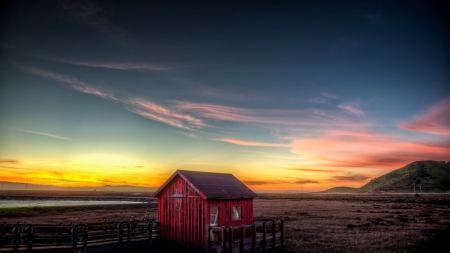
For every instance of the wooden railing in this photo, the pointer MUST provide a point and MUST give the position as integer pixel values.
(76, 238)
(259, 236)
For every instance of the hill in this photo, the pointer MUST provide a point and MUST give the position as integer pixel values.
(340, 189)
(428, 176)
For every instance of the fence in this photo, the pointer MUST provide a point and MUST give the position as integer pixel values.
(76, 238)
(259, 236)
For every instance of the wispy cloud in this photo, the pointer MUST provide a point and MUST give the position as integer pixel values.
(129, 66)
(123, 66)
(72, 81)
(255, 182)
(189, 135)
(281, 157)
(156, 112)
(87, 11)
(9, 161)
(307, 182)
(351, 177)
(134, 104)
(294, 118)
(91, 14)
(324, 98)
(351, 109)
(254, 144)
(47, 135)
(313, 170)
(435, 120)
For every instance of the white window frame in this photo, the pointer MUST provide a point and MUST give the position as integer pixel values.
(236, 213)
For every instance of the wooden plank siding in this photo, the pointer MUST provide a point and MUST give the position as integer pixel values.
(225, 207)
(181, 213)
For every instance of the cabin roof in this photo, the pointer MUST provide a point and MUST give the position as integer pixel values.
(212, 185)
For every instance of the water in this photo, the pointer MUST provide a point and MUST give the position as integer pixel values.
(31, 203)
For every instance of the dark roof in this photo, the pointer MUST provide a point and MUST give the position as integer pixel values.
(212, 185)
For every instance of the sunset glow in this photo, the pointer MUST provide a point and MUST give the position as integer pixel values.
(293, 97)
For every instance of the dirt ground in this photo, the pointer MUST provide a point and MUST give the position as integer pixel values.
(314, 223)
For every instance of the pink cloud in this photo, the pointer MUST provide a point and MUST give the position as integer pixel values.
(308, 117)
(254, 144)
(360, 149)
(136, 105)
(345, 149)
(435, 120)
(156, 112)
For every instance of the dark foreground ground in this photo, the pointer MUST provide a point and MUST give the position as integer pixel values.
(314, 222)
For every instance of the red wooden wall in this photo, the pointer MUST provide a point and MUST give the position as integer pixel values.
(225, 206)
(182, 217)
(184, 214)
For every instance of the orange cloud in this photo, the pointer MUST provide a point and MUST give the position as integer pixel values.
(345, 149)
(364, 150)
(435, 120)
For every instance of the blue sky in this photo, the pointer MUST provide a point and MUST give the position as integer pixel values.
(283, 95)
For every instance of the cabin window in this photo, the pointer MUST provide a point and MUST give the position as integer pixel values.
(236, 213)
(214, 216)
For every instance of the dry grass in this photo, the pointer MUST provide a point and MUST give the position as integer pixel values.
(359, 223)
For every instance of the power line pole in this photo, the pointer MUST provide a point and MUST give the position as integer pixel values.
(414, 188)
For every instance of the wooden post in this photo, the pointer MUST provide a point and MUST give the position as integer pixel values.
(74, 238)
(242, 238)
(208, 238)
(60, 234)
(150, 233)
(274, 233)
(85, 238)
(30, 239)
(264, 235)
(253, 238)
(129, 234)
(224, 245)
(282, 233)
(120, 235)
(17, 230)
(230, 239)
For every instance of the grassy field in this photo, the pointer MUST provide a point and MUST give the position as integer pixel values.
(314, 222)
(360, 223)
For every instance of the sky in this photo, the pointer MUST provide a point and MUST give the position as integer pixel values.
(285, 95)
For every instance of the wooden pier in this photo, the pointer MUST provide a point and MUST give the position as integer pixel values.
(107, 236)
(77, 238)
(259, 236)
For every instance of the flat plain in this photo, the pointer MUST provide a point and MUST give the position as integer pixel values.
(314, 222)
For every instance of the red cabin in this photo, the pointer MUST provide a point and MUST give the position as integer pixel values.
(190, 200)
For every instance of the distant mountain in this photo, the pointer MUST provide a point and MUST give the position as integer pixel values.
(340, 189)
(430, 176)
(4, 185)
